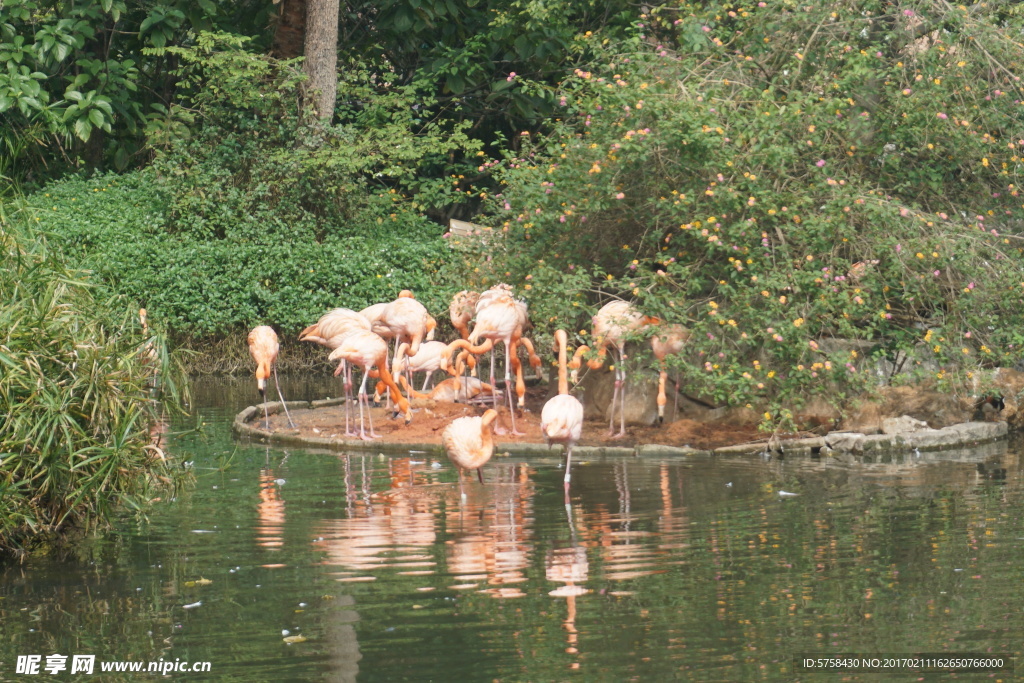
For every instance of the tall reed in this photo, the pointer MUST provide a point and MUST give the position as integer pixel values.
(83, 391)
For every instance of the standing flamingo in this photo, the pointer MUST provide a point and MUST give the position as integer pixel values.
(366, 349)
(405, 319)
(469, 443)
(264, 347)
(612, 324)
(667, 342)
(328, 331)
(561, 420)
(501, 320)
(429, 360)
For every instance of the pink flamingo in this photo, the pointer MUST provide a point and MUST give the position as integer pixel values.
(561, 420)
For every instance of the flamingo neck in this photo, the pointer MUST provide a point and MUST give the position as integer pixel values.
(486, 431)
(563, 379)
(396, 395)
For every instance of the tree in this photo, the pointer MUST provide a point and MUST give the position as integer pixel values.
(321, 65)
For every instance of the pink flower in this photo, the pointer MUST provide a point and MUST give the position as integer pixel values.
(511, 77)
(620, 195)
(942, 115)
(820, 163)
(705, 29)
(899, 248)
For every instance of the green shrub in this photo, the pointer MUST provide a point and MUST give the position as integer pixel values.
(241, 270)
(76, 397)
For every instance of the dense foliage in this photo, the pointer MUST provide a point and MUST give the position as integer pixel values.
(255, 218)
(76, 399)
(78, 89)
(802, 185)
(822, 192)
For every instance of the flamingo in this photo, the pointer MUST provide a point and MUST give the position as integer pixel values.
(264, 347)
(373, 313)
(667, 342)
(461, 311)
(328, 331)
(405, 319)
(429, 359)
(452, 389)
(469, 443)
(612, 324)
(501, 320)
(366, 349)
(561, 420)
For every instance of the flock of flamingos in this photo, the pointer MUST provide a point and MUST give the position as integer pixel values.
(359, 338)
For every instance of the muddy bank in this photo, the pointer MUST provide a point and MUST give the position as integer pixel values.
(321, 424)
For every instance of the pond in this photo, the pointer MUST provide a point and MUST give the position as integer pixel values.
(298, 565)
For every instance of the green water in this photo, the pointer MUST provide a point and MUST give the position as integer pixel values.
(694, 569)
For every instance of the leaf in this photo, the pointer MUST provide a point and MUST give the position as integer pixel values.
(73, 95)
(96, 116)
(83, 129)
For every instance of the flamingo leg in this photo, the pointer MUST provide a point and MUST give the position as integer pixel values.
(480, 474)
(568, 464)
(622, 402)
(462, 490)
(266, 415)
(494, 383)
(508, 388)
(363, 399)
(426, 380)
(620, 393)
(346, 376)
(280, 396)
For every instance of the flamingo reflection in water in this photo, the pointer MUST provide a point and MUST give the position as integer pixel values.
(569, 565)
(393, 529)
(493, 539)
(269, 512)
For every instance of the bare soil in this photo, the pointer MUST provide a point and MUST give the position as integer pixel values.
(431, 417)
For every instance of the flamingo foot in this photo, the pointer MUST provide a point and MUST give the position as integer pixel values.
(619, 435)
(500, 431)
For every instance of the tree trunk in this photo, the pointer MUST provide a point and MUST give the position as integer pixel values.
(321, 65)
(290, 31)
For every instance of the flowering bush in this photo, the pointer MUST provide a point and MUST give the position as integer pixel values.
(807, 187)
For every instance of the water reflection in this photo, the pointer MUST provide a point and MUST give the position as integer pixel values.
(656, 570)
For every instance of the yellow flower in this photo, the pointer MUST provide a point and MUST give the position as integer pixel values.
(798, 322)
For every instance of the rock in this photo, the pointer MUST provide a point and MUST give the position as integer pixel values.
(920, 402)
(904, 423)
(845, 441)
(641, 398)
